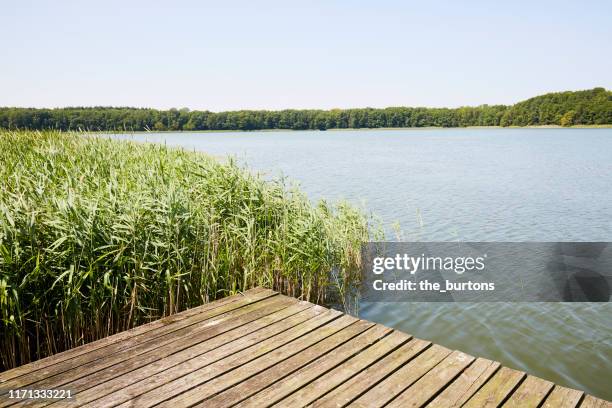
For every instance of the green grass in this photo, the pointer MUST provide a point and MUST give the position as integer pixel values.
(98, 236)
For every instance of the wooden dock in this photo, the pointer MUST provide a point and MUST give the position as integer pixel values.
(262, 349)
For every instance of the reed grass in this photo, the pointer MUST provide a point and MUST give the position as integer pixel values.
(98, 236)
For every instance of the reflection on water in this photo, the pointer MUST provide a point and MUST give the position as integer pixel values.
(465, 185)
(568, 343)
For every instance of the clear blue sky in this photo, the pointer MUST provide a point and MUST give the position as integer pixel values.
(223, 55)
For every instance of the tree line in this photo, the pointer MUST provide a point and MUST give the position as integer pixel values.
(589, 107)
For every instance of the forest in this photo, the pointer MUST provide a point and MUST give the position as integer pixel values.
(588, 107)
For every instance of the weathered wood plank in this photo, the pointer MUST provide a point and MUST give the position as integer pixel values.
(495, 391)
(435, 380)
(562, 397)
(263, 349)
(176, 340)
(371, 376)
(105, 368)
(283, 379)
(342, 329)
(403, 378)
(101, 353)
(203, 370)
(328, 381)
(136, 331)
(136, 369)
(464, 386)
(530, 393)
(590, 401)
(50, 378)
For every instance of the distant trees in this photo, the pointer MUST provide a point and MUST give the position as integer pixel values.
(588, 107)
(568, 118)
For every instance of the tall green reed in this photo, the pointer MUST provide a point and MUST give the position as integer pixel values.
(98, 236)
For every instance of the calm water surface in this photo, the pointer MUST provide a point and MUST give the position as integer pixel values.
(464, 185)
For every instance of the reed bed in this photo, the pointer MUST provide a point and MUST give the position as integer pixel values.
(98, 236)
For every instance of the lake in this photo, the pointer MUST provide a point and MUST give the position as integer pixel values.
(462, 185)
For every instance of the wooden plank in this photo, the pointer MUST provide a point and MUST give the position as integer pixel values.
(371, 376)
(202, 367)
(402, 378)
(242, 299)
(435, 380)
(530, 393)
(47, 378)
(167, 331)
(323, 350)
(562, 397)
(342, 329)
(344, 371)
(590, 401)
(464, 386)
(133, 370)
(264, 349)
(495, 391)
(150, 377)
(174, 341)
(373, 342)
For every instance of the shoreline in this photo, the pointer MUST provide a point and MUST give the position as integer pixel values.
(609, 126)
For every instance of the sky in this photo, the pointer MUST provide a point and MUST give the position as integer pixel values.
(229, 55)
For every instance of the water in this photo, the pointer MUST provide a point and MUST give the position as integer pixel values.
(463, 185)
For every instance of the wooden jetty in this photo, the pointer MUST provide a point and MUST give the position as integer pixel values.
(262, 349)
